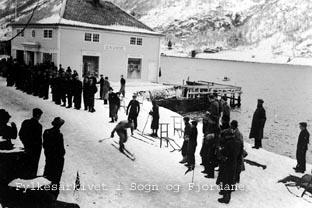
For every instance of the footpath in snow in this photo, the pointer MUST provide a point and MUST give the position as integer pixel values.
(109, 179)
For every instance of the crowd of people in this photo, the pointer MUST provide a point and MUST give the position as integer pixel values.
(222, 147)
(34, 140)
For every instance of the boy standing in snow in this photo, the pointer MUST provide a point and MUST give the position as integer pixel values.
(187, 130)
(133, 111)
(121, 129)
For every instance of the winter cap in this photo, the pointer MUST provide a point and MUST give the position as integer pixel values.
(186, 119)
(58, 122)
(260, 101)
(4, 115)
(303, 124)
(194, 123)
(234, 124)
(37, 111)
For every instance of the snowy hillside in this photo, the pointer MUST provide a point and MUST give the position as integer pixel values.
(263, 29)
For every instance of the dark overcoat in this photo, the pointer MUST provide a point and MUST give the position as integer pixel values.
(258, 122)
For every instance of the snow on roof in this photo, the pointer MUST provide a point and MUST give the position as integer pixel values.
(84, 13)
(121, 28)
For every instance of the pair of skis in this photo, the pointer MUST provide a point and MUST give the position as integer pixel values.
(125, 152)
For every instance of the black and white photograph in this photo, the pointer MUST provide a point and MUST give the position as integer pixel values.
(155, 103)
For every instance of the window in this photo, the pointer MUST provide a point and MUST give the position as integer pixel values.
(21, 34)
(33, 33)
(132, 41)
(47, 33)
(96, 38)
(139, 41)
(88, 36)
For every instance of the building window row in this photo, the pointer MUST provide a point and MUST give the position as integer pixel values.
(47, 33)
(92, 37)
(136, 41)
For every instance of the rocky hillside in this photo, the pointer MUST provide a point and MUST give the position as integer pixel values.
(274, 27)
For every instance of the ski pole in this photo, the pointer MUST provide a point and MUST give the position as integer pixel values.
(145, 123)
(193, 175)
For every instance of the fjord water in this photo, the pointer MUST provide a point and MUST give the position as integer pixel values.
(285, 89)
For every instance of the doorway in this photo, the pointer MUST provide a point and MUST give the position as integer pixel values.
(90, 65)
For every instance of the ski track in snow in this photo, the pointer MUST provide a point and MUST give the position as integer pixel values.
(100, 163)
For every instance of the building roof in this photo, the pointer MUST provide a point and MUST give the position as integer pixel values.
(85, 13)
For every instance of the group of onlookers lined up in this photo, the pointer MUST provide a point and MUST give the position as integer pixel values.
(66, 88)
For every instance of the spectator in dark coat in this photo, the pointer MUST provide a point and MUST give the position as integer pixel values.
(122, 86)
(133, 111)
(101, 82)
(92, 89)
(106, 87)
(54, 151)
(302, 147)
(238, 136)
(155, 119)
(214, 109)
(114, 104)
(208, 151)
(257, 125)
(186, 137)
(229, 157)
(77, 90)
(226, 112)
(6, 132)
(85, 88)
(31, 137)
(191, 147)
(69, 90)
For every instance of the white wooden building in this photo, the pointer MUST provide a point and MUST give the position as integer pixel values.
(98, 38)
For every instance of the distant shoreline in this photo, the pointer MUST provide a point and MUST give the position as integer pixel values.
(236, 60)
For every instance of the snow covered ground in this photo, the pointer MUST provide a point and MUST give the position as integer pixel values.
(109, 177)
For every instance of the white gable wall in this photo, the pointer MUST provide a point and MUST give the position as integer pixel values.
(113, 50)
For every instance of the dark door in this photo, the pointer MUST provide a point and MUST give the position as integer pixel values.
(90, 65)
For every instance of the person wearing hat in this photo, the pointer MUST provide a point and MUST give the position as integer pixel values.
(31, 136)
(122, 86)
(186, 137)
(106, 86)
(226, 113)
(191, 146)
(134, 111)
(257, 125)
(54, 151)
(302, 147)
(7, 133)
(229, 162)
(101, 82)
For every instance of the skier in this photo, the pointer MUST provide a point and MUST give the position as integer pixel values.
(121, 129)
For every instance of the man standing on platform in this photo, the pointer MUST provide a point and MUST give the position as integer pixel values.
(257, 125)
(31, 137)
(134, 111)
(302, 147)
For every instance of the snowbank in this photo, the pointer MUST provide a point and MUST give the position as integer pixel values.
(109, 179)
